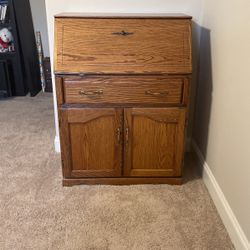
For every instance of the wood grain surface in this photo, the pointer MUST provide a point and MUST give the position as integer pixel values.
(122, 15)
(59, 91)
(90, 142)
(122, 181)
(154, 146)
(124, 89)
(94, 45)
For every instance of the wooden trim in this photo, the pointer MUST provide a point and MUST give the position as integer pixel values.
(186, 90)
(148, 172)
(124, 15)
(97, 173)
(84, 74)
(55, 51)
(122, 181)
(127, 141)
(59, 91)
(120, 105)
(180, 144)
(65, 142)
(190, 44)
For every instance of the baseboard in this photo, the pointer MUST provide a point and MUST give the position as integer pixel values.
(231, 223)
(57, 144)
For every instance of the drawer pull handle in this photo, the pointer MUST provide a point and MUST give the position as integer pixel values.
(91, 93)
(123, 33)
(163, 93)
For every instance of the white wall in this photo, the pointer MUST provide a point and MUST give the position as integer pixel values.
(39, 21)
(191, 7)
(222, 124)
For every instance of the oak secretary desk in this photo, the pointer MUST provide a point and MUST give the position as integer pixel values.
(122, 84)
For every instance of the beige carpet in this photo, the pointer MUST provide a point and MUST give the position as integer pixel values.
(36, 212)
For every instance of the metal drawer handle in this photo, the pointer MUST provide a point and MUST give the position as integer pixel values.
(91, 93)
(163, 93)
(123, 33)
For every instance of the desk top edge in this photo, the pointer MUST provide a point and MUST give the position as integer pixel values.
(123, 15)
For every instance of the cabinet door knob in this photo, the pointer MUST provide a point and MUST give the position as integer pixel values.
(163, 93)
(91, 93)
(118, 135)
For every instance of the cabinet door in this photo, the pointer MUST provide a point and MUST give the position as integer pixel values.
(154, 141)
(91, 142)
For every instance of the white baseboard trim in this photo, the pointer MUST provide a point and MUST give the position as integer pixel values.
(231, 223)
(57, 144)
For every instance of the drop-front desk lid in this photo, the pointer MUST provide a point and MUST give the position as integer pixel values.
(94, 43)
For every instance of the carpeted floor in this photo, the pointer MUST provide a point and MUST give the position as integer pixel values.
(36, 212)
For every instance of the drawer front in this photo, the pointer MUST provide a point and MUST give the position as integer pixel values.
(124, 90)
(123, 45)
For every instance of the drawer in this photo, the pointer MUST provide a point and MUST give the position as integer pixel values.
(125, 90)
(106, 45)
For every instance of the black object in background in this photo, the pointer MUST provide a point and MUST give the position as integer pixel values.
(24, 60)
(5, 87)
(47, 74)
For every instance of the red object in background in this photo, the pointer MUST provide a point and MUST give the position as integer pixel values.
(4, 44)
